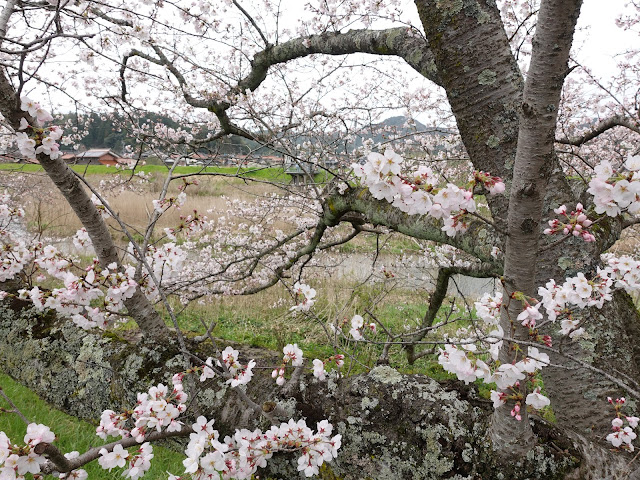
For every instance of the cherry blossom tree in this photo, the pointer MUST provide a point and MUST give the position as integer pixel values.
(532, 138)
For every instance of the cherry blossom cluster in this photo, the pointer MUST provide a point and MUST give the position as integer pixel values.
(165, 261)
(319, 365)
(417, 194)
(575, 223)
(139, 461)
(214, 249)
(358, 327)
(614, 192)
(558, 302)
(293, 354)
(468, 367)
(81, 239)
(305, 296)
(18, 460)
(14, 254)
(237, 373)
(165, 203)
(494, 185)
(13, 257)
(40, 140)
(239, 456)
(79, 291)
(621, 436)
(580, 292)
(190, 225)
(488, 310)
(465, 359)
(156, 410)
(113, 284)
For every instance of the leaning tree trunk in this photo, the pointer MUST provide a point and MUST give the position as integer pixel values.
(438, 430)
(138, 306)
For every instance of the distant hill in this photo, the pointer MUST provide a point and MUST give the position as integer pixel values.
(109, 131)
(394, 127)
(400, 122)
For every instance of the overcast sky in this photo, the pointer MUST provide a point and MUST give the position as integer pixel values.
(603, 39)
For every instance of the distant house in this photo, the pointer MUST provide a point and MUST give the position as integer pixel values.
(94, 156)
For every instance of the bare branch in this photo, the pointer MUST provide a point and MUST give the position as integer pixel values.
(15, 410)
(253, 22)
(599, 129)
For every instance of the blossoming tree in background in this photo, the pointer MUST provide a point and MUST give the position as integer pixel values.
(559, 180)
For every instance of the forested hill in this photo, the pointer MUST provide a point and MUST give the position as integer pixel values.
(108, 131)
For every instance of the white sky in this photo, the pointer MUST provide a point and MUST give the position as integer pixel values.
(602, 39)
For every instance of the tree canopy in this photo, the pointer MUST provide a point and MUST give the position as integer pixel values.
(524, 166)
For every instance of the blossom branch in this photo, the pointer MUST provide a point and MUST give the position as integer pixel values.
(478, 241)
(58, 462)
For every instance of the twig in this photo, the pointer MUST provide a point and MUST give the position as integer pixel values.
(16, 410)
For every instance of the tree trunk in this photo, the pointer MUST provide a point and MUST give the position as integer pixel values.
(138, 306)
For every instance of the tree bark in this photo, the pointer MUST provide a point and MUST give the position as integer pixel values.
(485, 90)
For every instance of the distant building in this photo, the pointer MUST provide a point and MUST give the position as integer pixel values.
(94, 156)
(299, 175)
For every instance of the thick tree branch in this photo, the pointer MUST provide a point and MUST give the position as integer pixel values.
(402, 42)
(534, 163)
(478, 241)
(138, 305)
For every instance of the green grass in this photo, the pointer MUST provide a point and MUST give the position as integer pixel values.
(72, 434)
(257, 324)
(271, 174)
